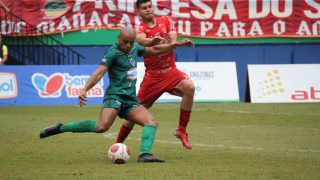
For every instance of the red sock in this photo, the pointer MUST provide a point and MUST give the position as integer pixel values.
(184, 119)
(123, 133)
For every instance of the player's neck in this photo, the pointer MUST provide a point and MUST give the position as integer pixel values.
(150, 23)
(122, 50)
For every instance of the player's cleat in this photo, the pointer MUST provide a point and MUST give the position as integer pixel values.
(183, 136)
(50, 130)
(148, 158)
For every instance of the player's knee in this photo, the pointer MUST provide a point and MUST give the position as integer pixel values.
(147, 106)
(152, 122)
(128, 124)
(101, 128)
(189, 87)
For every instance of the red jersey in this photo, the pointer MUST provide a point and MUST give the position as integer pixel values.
(163, 27)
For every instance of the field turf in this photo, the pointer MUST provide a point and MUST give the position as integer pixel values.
(230, 141)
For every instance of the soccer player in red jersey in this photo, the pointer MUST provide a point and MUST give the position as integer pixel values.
(161, 74)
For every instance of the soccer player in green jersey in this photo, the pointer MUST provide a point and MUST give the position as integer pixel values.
(120, 97)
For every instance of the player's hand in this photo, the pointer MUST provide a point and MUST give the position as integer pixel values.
(82, 98)
(186, 42)
(156, 40)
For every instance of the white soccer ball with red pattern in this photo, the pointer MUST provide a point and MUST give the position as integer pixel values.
(119, 153)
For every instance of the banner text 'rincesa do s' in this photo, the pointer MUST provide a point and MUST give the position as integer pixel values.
(195, 18)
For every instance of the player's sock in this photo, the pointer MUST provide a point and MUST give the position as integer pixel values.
(123, 133)
(181, 132)
(148, 135)
(81, 126)
(184, 119)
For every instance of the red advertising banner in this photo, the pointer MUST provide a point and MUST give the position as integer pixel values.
(196, 18)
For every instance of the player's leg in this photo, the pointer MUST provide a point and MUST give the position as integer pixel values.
(149, 92)
(81, 126)
(143, 117)
(185, 89)
(126, 127)
(107, 117)
(124, 131)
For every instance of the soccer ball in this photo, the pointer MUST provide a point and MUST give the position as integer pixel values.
(119, 153)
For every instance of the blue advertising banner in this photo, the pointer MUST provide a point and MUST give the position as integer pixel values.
(48, 85)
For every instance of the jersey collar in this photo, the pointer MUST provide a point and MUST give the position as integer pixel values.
(119, 50)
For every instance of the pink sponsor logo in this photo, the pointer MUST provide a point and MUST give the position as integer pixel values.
(48, 87)
(312, 94)
(52, 86)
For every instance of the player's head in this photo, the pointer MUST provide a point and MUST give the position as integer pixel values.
(126, 39)
(145, 9)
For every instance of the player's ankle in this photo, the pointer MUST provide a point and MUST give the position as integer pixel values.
(181, 129)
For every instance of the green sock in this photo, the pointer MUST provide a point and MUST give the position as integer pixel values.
(148, 134)
(81, 126)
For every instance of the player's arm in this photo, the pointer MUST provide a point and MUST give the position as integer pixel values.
(4, 59)
(172, 37)
(143, 40)
(4, 6)
(93, 80)
(172, 33)
(165, 48)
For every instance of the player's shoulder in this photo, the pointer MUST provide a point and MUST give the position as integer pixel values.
(112, 51)
(109, 55)
(141, 28)
(137, 45)
(163, 18)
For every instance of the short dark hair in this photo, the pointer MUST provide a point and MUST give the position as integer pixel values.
(139, 2)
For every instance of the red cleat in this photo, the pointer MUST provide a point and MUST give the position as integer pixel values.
(183, 136)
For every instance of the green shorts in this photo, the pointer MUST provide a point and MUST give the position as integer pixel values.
(123, 104)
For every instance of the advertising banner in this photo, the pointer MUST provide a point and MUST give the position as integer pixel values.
(196, 18)
(214, 81)
(48, 85)
(284, 83)
(61, 85)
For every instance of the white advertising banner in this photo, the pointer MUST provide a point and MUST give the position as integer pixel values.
(8, 85)
(214, 81)
(284, 83)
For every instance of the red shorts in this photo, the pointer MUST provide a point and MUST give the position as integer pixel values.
(155, 83)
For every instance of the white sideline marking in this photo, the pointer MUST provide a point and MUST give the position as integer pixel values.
(251, 112)
(220, 146)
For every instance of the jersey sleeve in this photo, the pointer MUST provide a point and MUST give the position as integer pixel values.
(141, 49)
(170, 25)
(107, 59)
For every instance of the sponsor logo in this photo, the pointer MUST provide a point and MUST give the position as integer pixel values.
(272, 84)
(48, 87)
(132, 74)
(201, 75)
(52, 86)
(104, 60)
(8, 86)
(197, 90)
(132, 61)
(311, 94)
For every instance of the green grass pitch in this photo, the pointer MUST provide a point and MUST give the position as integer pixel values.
(230, 141)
